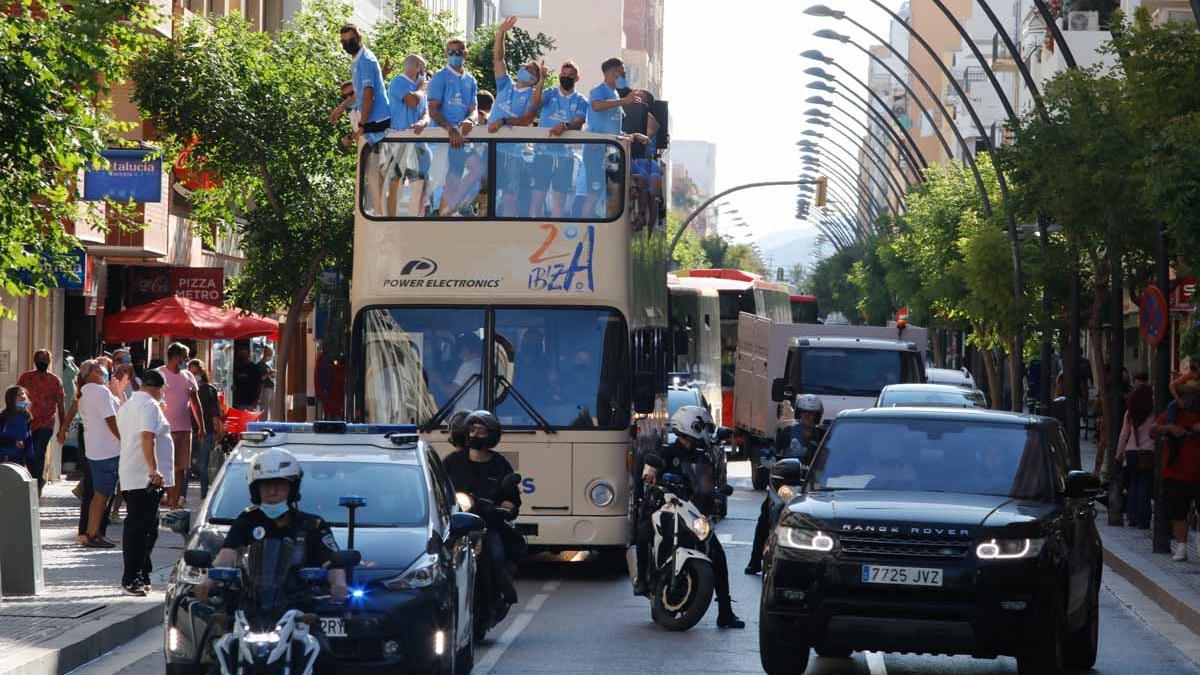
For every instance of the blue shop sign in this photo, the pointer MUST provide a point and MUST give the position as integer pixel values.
(78, 268)
(130, 175)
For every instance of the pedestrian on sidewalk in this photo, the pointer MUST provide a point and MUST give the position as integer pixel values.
(46, 398)
(267, 395)
(147, 466)
(98, 408)
(180, 393)
(211, 429)
(16, 439)
(1181, 470)
(1135, 453)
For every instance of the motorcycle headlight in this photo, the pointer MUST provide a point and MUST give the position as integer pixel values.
(1009, 549)
(701, 527)
(464, 501)
(804, 540)
(786, 492)
(601, 494)
(421, 574)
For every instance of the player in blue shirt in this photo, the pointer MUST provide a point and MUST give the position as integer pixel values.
(408, 161)
(606, 111)
(563, 109)
(371, 94)
(452, 94)
(516, 105)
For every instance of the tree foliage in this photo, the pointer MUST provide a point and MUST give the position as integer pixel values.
(412, 29)
(688, 255)
(722, 254)
(257, 105)
(58, 64)
(520, 48)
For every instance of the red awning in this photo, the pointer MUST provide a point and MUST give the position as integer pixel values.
(183, 318)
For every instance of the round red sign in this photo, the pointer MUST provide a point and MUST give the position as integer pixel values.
(1152, 318)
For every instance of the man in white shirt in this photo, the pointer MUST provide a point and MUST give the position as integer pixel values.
(101, 439)
(147, 468)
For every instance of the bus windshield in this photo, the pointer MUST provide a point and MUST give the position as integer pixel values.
(404, 179)
(563, 368)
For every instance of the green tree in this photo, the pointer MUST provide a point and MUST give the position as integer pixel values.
(58, 62)
(689, 255)
(722, 254)
(520, 48)
(831, 283)
(258, 106)
(412, 29)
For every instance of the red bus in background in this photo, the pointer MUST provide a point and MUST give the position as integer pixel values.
(739, 291)
(804, 308)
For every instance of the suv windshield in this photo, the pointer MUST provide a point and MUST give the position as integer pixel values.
(933, 455)
(395, 493)
(831, 371)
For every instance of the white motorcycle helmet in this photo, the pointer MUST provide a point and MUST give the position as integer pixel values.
(810, 403)
(694, 422)
(272, 464)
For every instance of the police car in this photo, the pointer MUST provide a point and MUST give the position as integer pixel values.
(935, 530)
(410, 608)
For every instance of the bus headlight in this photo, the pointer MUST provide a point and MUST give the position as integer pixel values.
(602, 494)
(804, 540)
(1009, 549)
(702, 528)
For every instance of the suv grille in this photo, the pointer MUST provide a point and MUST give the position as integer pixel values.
(859, 543)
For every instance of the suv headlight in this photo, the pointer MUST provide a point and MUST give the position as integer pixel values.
(1009, 549)
(701, 527)
(421, 574)
(804, 540)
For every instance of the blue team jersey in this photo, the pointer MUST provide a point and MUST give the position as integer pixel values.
(455, 92)
(403, 117)
(511, 101)
(558, 108)
(607, 121)
(365, 73)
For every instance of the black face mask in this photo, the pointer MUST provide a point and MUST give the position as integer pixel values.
(41, 365)
(477, 443)
(352, 47)
(567, 82)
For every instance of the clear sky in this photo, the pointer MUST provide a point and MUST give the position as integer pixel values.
(734, 77)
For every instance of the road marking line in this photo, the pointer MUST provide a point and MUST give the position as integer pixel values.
(492, 656)
(875, 663)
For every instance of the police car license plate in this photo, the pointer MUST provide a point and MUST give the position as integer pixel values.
(333, 626)
(901, 576)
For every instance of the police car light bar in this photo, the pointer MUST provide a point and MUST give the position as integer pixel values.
(332, 427)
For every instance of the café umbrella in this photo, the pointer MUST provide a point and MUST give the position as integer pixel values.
(181, 317)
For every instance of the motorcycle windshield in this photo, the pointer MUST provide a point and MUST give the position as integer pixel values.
(703, 481)
(268, 565)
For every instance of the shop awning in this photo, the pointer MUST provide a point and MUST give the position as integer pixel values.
(180, 317)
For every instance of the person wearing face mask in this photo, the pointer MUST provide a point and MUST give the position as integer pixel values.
(516, 106)
(147, 467)
(15, 420)
(370, 92)
(452, 93)
(408, 161)
(46, 399)
(274, 476)
(563, 109)
(102, 445)
(607, 110)
(478, 471)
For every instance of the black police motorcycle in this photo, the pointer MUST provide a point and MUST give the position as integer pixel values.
(490, 605)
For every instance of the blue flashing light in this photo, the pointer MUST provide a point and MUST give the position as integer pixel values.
(357, 594)
(331, 427)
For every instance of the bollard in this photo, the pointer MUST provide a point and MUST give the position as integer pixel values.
(21, 536)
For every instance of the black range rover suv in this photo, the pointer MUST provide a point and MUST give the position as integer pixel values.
(940, 531)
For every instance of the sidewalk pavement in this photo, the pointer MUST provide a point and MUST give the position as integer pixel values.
(1129, 551)
(83, 612)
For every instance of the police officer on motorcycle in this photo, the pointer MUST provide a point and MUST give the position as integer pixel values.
(274, 477)
(693, 428)
(478, 471)
(795, 440)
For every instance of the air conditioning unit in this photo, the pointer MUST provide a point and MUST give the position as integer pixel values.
(1083, 21)
(529, 9)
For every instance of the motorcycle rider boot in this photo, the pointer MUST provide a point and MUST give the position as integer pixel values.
(754, 567)
(725, 616)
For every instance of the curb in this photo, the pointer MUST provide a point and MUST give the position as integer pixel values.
(86, 642)
(1160, 592)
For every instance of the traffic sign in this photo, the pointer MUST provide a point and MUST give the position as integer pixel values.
(1152, 318)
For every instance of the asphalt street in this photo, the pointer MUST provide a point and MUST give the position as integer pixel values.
(574, 617)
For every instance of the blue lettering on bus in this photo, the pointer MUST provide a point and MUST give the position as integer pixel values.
(527, 486)
(576, 275)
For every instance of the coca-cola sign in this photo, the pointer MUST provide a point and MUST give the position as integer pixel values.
(202, 284)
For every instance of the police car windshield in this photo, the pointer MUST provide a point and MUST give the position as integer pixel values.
(395, 493)
(932, 455)
(677, 398)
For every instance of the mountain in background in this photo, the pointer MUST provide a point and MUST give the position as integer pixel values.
(788, 248)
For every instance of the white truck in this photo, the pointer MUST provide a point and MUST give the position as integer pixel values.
(846, 366)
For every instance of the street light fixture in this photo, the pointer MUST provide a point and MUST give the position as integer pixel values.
(881, 164)
(825, 119)
(853, 177)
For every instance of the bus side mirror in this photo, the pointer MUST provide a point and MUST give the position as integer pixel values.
(644, 393)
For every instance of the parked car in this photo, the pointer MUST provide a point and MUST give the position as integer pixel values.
(930, 395)
(935, 530)
(410, 607)
(959, 378)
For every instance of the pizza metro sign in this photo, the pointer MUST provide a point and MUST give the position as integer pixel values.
(1152, 319)
(202, 284)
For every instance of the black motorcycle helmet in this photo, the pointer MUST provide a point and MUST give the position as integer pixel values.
(489, 422)
(457, 426)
